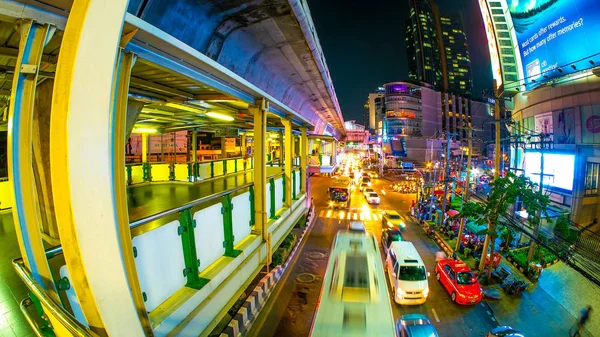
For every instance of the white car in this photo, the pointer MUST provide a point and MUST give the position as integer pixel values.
(367, 191)
(357, 226)
(373, 198)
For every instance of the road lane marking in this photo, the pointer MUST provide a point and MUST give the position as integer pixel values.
(321, 213)
(329, 214)
(437, 319)
(349, 216)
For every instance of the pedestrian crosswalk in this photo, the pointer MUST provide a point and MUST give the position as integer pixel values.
(351, 214)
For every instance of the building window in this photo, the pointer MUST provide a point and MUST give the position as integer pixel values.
(591, 178)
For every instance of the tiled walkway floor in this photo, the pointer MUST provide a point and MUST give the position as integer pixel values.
(142, 201)
(12, 290)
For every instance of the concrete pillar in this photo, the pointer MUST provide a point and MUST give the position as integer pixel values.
(243, 146)
(194, 146)
(260, 168)
(223, 147)
(281, 148)
(144, 147)
(288, 142)
(303, 160)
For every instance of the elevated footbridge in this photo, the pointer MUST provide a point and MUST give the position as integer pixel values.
(161, 239)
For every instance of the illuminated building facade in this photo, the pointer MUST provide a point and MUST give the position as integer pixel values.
(374, 109)
(456, 60)
(422, 46)
(548, 66)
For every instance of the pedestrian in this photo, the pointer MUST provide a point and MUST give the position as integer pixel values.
(585, 315)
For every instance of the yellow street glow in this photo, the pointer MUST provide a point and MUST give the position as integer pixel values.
(219, 116)
(328, 214)
(342, 214)
(144, 130)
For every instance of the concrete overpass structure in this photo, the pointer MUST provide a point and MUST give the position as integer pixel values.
(159, 249)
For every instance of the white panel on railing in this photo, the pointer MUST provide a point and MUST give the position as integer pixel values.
(209, 235)
(204, 171)
(326, 160)
(218, 168)
(72, 297)
(278, 194)
(268, 199)
(161, 172)
(137, 174)
(181, 172)
(160, 263)
(231, 166)
(241, 217)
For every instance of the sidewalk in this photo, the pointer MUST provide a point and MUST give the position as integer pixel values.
(549, 307)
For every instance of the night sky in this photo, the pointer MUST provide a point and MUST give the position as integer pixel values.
(363, 42)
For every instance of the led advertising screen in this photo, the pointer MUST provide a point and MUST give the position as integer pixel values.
(554, 34)
(559, 169)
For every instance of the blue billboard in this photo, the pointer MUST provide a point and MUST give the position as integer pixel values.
(553, 34)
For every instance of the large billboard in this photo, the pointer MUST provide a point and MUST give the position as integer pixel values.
(559, 169)
(554, 34)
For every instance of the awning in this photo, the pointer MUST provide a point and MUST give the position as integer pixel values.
(452, 212)
(475, 228)
(438, 192)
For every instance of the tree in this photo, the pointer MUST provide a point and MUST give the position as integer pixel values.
(504, 192)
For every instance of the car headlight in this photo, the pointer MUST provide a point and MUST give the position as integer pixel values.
(426, 292)
(461, 295)
(388, 223)
(402, 225)
(400, 292)
(331, 203)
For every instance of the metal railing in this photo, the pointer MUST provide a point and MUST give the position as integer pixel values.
(76, 328)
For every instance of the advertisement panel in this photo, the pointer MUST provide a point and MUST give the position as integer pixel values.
(543, 124)
(553, 34)
(564, 126)
(559, 169)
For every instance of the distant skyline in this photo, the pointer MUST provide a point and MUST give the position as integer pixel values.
(364, 46)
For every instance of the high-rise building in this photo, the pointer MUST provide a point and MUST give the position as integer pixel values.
(374, 109)
(457, 74)
(437, 48)
(422, 43)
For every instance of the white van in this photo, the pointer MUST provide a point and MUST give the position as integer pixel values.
(407, 274)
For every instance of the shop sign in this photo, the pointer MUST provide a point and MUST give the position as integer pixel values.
(558, 198)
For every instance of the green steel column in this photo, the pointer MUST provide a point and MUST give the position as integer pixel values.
(288, 143)
(129, 177)
(293, 185)
(192, 263)
(227, 211)
(194, 146)
(272, 191)
(224, 166)
(235, 165)
(320, 159)
(252, 215)
(259, 111)
(303, 159)
(172, 171)
(212, 169)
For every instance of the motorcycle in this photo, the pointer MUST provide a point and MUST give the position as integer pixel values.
(513, 286)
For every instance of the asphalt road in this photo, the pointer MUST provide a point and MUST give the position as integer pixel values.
(291, 307)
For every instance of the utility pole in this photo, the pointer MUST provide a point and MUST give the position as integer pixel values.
(467, 185)
(486, 243)
(447, 175)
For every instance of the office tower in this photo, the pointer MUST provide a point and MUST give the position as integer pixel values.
(455, 55)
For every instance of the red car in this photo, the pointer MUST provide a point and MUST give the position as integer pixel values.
(459, 281)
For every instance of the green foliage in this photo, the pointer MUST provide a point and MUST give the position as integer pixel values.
(519, 255)
(562, 228)
(284, 250)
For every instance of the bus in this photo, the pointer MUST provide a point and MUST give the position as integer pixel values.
(340, 192)
(354, 299)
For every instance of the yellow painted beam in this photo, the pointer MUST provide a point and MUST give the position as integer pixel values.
(26, 215)
(303, 159)
(260, 168)
(288, 149)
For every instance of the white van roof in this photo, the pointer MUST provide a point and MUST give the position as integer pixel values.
(406, 253)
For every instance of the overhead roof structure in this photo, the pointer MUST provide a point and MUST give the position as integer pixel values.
(205, 55)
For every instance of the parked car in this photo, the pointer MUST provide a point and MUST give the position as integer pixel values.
(415, 325)
(504, 331)
(373, 198)
(459, 281)
(388, 236)
(393, 219)
(364, 186)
